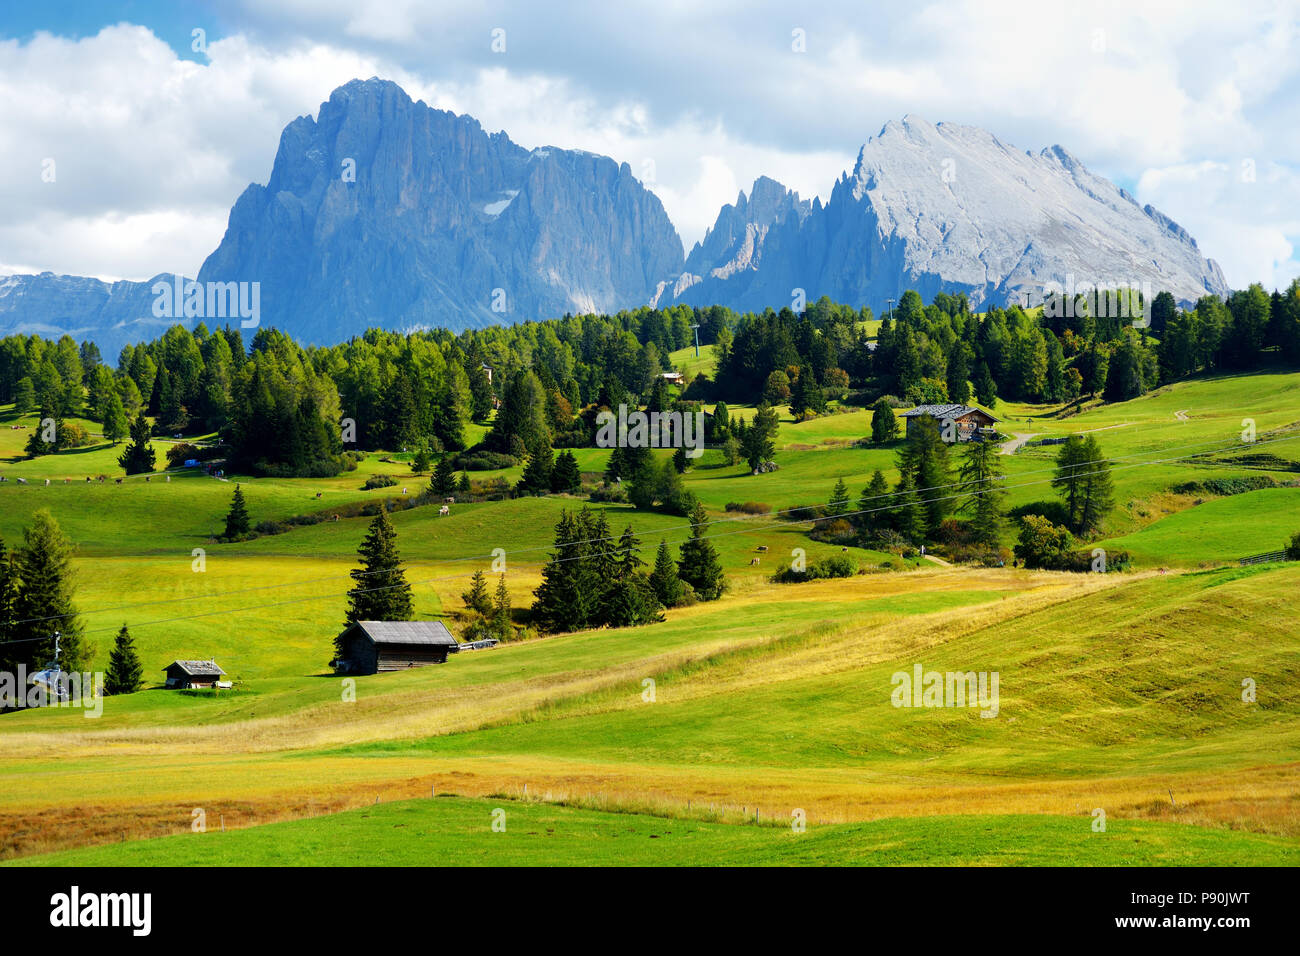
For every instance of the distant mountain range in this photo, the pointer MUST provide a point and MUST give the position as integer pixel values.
(385, 212)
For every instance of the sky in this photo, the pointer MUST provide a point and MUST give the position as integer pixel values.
(130, 128)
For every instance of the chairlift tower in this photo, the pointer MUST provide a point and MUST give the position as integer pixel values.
(696, 327)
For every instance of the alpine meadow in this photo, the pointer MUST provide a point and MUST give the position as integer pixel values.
(455, 513)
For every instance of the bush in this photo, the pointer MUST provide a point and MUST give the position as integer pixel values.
(836, 566)
(180, 453)
(1226, 486)
(749, 507)
(379, 481)
(1053, 511)
(1293, 549)
(1043, 544)
(613, 494)
(484, 461)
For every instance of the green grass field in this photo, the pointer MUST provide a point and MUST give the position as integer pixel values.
(1122, 692)
(459, 832)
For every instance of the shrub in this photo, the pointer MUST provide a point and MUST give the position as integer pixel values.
(836, 566)
(180, 453)
(484, 461)
(1043, 544)
(749, 507)
(1293, 549)
(1226, 486)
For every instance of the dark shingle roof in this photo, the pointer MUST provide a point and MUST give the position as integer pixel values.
(944, 411)
(197, 668)
(406, 632)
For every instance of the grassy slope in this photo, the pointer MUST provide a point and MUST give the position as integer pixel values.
(774, 694)
(457, 832)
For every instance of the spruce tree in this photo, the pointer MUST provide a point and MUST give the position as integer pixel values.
(8, 601)
(884, 425)
(924, 458)
(562, 604)
(125, 673)
(984, 495)
(908, 513)
(502, 625)
(443, 480)
(536, 477)
(838, 506)
(115, 424)
(44, 602)
(873, 505)
(699, 565)
(237, 521)
(664, 580)
(1098, 496)
(476, 598)
(463, 486)
(566, 478)
(381, 592)
(139, 456)
(421, 460)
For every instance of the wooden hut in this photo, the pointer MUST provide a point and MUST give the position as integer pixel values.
(185, 674)
(372, 647)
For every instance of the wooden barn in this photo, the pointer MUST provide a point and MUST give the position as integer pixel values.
(186, 674)
(374, 647)
(972, 424)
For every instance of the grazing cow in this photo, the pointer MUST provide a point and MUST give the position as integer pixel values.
(47, 482)
(444, 510)
(148, 478)
(336, 518)
(450, 501)
(403, 489)
(753, 562)
(318, 494)
(22, 481)
(118, 480)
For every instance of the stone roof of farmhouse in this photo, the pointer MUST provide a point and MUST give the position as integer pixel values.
(197, 668)
(406, 632)
(945, 411)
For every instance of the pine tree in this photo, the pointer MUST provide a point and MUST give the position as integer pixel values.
(139, 456)
(8, 600)
(115, 424)
(1083, 479)
(873, 505)
(617, 468)
(562, 604)
(443, 480)
(421, 459)
(237, 521)
(986, 392)
(536, 477)
(463, 486)
(1098, 496)
(979, 479)
(909, 513)
(884, 426)
(759, 441)
(838, 506)
(502, 625)
(476, 598)
(44, 602)
(566, 478)
(381, 592)
(699, 565)
(924, 458)
(125, 673)
(664, 580)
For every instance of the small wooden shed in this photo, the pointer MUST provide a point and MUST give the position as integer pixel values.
(372, 647)
(186, 674)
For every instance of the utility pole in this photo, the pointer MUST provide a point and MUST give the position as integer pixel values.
(696, 327)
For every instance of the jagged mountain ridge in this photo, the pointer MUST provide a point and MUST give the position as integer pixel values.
(442, 221)
(951, 208)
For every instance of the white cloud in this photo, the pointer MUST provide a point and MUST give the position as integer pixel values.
(152, 150)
